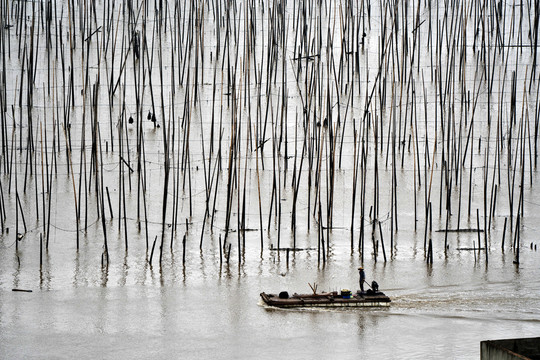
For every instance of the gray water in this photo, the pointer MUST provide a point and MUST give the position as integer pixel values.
(199, 304)
(133, 311)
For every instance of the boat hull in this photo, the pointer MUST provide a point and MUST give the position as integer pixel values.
(331, 300)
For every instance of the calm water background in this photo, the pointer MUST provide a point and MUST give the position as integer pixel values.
(207, 308)
(132, 311)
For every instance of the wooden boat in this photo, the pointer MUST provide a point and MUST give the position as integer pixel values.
(330, 299)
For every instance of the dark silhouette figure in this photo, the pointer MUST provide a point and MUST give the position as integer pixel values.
(362, 278)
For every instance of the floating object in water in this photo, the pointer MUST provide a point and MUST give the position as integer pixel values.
(459, 230)
(345, 298)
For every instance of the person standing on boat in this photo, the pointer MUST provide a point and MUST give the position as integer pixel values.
(362, 278)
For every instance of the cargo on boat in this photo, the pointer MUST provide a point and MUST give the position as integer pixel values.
(331, 299)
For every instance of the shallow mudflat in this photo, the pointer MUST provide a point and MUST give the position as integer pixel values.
(163, 163)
